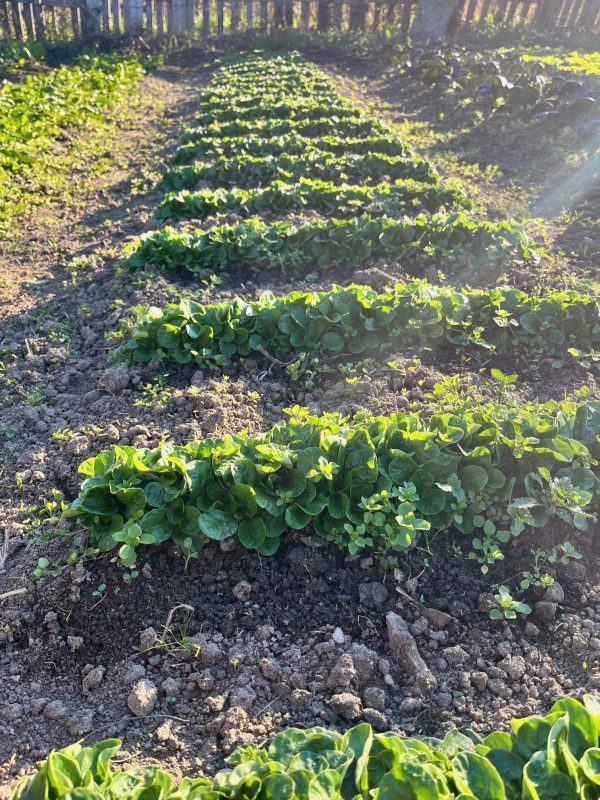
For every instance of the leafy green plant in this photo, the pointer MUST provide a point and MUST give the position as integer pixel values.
(325, 244)
(340, 200)
(356, 319)
(507, 607)
(247, 171)
(542, 758)
(44, 106)
(463, 467)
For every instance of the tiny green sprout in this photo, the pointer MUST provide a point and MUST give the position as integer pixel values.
(99, 591)
(508, 607)
(234, 662)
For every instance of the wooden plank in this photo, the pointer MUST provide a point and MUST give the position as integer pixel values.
(337, 15)
(406, 15)
(116, 17)
(149, 17)
(235, 15)
(28, 18)
(206, 18)
(17, 24)
(126, 15)
(289, 13)
(190, 16)
(137, 15)
(471, 9)
(4, 20)
(105, 16)
(305, 13)
(177, 17)
(38, 19)
(249, 13)
(264, 13)
(376, 17)
(160, 18)
(220, 17)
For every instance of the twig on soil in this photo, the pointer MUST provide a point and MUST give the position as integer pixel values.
(274, 359)
(270, 703)
(4, 550)
(13, 592)
(131, 719)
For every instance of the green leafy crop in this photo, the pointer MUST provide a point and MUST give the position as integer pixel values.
(542, 758)
(339, 200)
(493, 470)
(357, 318)
(325, 244)
(247, 171)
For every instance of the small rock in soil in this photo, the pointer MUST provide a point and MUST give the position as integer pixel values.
(346, 705)
(372, 595)
(554, 594)
(142, 698)
(374, 697)
(404, 650)
(545, 611)
(114, 379)
(343, 675)
(55, 710)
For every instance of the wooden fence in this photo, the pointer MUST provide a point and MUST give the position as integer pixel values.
(21, 20)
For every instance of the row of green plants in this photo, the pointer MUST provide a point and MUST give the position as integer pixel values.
(356, 319)
(290, 144)
(247, 171)
(386, 483)
(333, 199)
(554, 757)
(36, 111)
(324, 244)
(357, 126)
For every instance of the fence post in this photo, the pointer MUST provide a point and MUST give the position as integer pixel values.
(190, 16)
(220, 17)
(90, 18)
(177, 17)
(249, 13)
(264, 14)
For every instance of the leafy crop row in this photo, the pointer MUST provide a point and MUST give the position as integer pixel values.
(249, 171)
(357, 318)
(542, 758)
(40, 108)
(381, 482)
(290, 144)
(357, 126)
(325, 244)
(390, 199)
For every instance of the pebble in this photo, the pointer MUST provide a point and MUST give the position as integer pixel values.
(338, 636)
(54, 710)
(346, 705)
(545, 611)
(374, 697)
(372, 595)
(142, 698)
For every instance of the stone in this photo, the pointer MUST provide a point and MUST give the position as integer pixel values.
(242, 697)
(242, 591)
(11, 713)
(572, 572)
(374, 697)
(372, 595)
(338, 636)
(93, 678)
(479, 680)
(346, 705)
(365, 661)
(554, 594)
(148, 639)
(403, 647)
(455, 656)
(270, 669)
(486, 602)
(142, 698)
(80, 723)
(55, 710)
(439, 619)
(343, 675)
(531, 631)
(545, 612)
(114, 379)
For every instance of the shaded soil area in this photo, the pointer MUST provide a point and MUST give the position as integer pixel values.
(235, 647)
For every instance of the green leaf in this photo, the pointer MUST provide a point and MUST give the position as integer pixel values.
(296, 518)
(252, 532)
(474, 478)
(473, 773)
(218, 525)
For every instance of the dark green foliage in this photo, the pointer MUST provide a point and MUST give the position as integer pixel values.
(357, 318)
(325, 244)
(487, 470)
